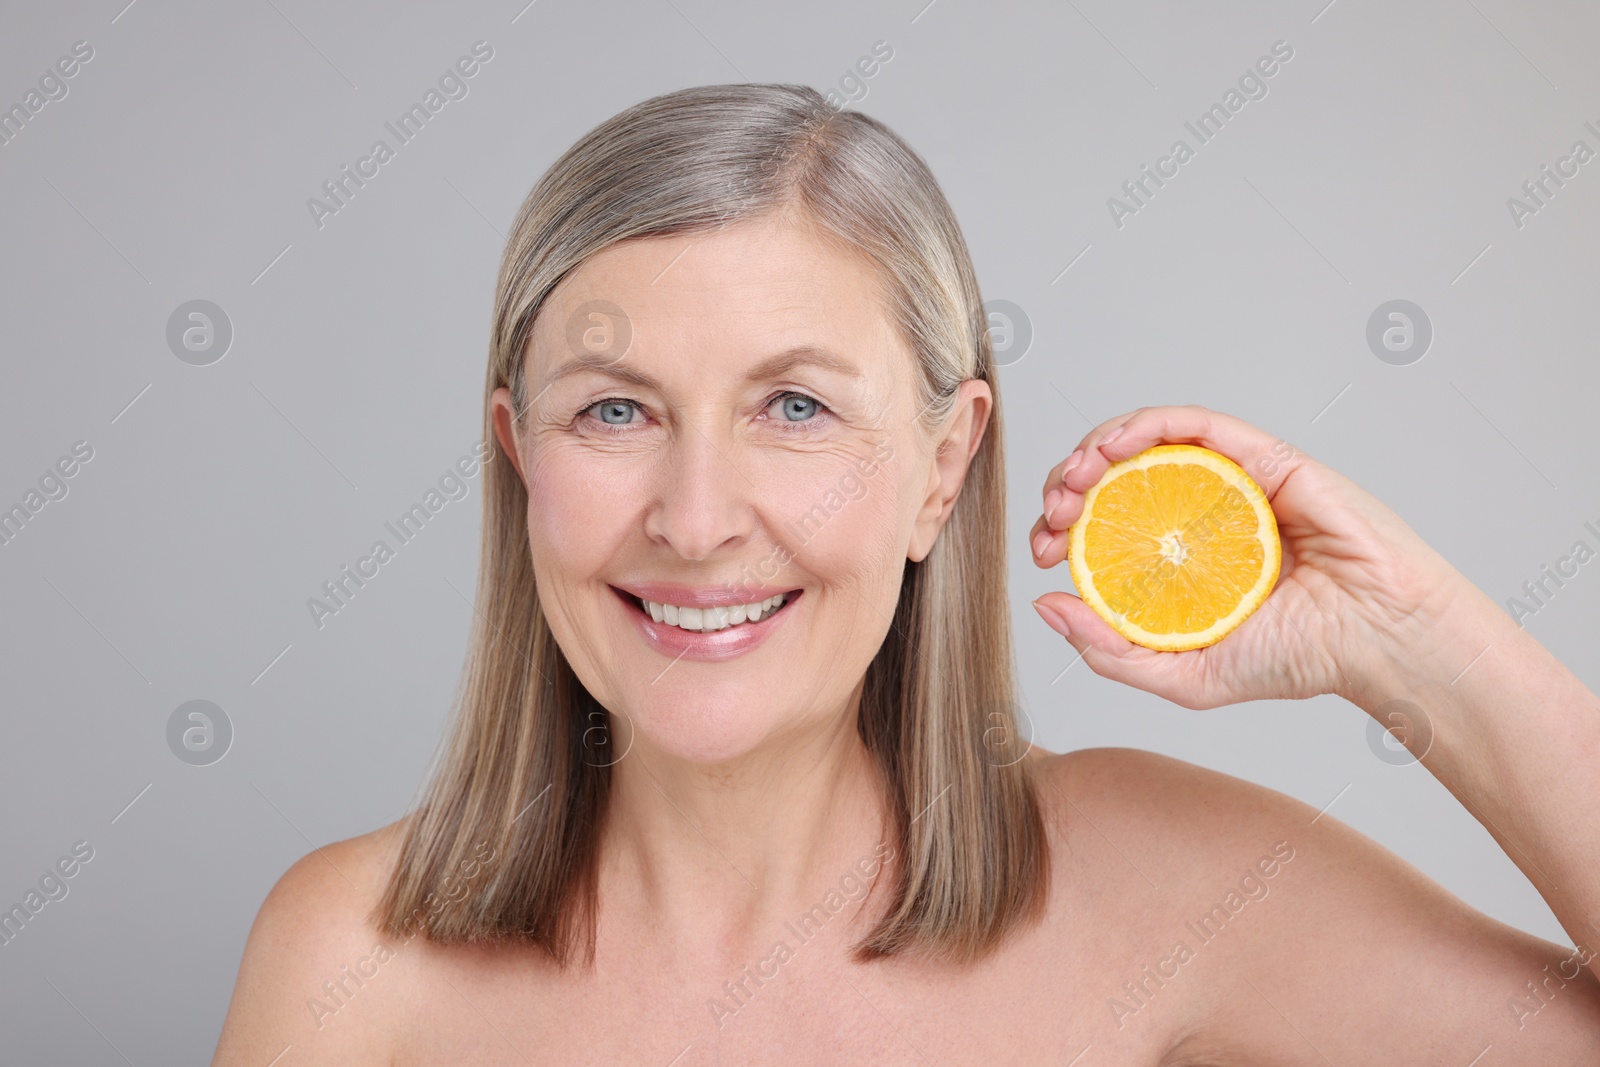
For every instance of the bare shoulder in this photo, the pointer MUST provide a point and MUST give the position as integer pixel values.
(1157, 797)
(1258, 883)
(1161, 829)
(1144, 771)
(311, 941)
(1197, 827)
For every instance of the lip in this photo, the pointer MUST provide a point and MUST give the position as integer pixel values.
(703, 596)
(717, 647)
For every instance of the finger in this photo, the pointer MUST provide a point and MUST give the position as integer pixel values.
(1062, 506)
(1053, 490)
(1166, 674)
(1063, 499)
(1054, 477)
(1267, 459)
(1105, 445)
(1084, 630)
(1049, 546)
(1064, 502)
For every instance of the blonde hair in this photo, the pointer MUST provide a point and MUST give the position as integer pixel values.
(937, 712)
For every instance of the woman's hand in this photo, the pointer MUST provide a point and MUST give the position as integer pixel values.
(1365, 609)
(1358, 589)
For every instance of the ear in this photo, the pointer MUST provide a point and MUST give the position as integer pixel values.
(505, 428)
(962, 435)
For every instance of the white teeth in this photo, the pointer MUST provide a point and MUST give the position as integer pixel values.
(710, 620)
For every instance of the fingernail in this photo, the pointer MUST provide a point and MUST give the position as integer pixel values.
(1041, 541)
(1113, 435)
(1072, 461)
(1051, 499)
(1054, 618)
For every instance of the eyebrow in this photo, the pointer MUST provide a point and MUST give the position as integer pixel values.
(773, 366)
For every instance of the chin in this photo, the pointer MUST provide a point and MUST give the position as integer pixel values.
(698, 733)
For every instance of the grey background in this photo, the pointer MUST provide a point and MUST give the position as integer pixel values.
(178, 566)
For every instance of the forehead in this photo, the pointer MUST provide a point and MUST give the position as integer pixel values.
(741, 292)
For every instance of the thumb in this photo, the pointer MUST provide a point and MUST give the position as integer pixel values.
(1076, 621)
(1107, 652)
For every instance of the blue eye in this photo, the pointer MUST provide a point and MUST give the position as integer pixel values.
(621, 409)
(614, 413)
(797, 407)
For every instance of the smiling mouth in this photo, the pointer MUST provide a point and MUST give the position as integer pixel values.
(711, 620)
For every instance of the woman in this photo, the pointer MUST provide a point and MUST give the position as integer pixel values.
(734, 775)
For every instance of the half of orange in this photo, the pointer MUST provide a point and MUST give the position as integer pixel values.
(1175, 548)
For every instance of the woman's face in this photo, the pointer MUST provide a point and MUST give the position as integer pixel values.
(716, 420)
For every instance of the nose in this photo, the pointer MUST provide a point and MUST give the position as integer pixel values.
(702, 500)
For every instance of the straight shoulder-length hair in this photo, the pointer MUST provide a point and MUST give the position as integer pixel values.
(503, 839)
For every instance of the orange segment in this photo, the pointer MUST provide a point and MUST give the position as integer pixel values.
(1175, 548)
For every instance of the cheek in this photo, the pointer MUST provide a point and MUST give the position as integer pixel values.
(841, 523)
(575, 519)
(576, 523)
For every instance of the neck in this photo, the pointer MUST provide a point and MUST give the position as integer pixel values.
(721, 857)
